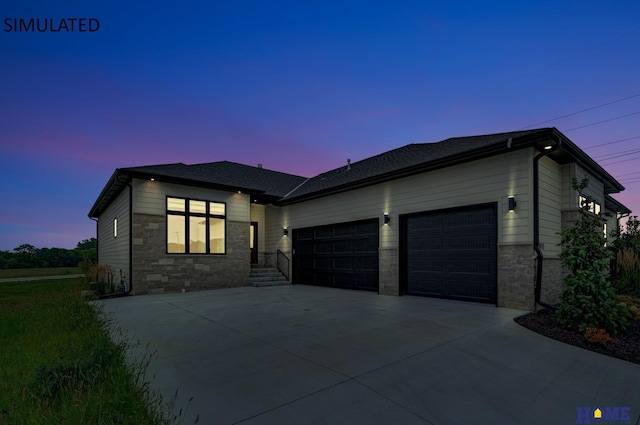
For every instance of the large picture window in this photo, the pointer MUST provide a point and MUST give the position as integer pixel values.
(195, 227)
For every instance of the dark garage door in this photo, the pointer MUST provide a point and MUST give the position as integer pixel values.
(452, 253)
(343, 255)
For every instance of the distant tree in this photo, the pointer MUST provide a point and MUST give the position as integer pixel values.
(25, 248)
(84, 244)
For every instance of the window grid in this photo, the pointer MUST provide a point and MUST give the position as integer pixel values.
(195, 226)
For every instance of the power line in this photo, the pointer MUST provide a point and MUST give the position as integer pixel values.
(624, 160)
(581, 111)
(603, 121)
(615, 155)
(629, 174)
(611, 143)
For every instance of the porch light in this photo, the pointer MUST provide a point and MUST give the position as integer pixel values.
(387, 219)
(548, 147)
(286, 231)
(512, 203)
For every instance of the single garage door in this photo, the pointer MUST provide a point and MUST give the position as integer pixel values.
(452, 253)
(343, 255)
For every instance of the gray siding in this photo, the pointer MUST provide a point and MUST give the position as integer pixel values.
(488, 180)
(114, 251)
(150, 197)
(550, 174)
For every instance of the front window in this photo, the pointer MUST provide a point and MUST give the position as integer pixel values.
(195, 226)
(590, 205)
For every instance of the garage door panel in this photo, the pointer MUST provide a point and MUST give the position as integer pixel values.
(343, 255)
(452, 253)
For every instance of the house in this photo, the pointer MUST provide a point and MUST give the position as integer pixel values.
(472, 218)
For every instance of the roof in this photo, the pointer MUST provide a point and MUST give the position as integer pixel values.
(280, 188)
(389, 165)
(614, 205)
(265, 185)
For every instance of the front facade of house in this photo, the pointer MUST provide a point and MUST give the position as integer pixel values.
(466, 218)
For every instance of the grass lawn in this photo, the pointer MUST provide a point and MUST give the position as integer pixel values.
(59, 366)
(51, 271)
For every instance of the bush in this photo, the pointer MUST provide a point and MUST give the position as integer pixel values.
(589, 301)
(627, 266)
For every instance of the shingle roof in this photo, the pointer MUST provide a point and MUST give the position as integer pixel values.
(403, 158)
(282, 188)
(225, 173)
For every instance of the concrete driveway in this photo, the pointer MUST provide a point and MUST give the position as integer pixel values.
(310, 355)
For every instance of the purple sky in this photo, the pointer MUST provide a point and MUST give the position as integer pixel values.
(298, 86)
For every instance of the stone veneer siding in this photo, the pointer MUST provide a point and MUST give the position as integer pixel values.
(155, 271)
(388, 272)
(516, 272)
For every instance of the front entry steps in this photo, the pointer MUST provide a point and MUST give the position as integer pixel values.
(267, 277)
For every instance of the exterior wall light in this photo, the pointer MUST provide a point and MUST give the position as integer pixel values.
(512, 203)
(387, 219)
(286, 231)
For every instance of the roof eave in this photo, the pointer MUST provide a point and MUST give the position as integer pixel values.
(456, 159)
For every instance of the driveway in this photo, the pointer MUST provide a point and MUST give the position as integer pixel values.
(310, 355)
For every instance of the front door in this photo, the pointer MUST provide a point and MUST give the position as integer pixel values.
(253, 242)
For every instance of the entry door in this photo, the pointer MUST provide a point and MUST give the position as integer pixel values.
(253, 242)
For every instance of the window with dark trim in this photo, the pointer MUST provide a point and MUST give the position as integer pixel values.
(195, 226)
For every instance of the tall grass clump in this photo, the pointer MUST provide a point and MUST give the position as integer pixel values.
(59, 364)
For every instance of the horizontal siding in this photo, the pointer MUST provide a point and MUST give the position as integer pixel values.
(569, 196)
(114, 251)
(483, 181)
(550, 178)
(596, 187)
(150, 197)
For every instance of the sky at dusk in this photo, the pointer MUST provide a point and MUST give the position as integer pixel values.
(298, 86)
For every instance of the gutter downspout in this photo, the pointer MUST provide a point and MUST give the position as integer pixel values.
(536, 225)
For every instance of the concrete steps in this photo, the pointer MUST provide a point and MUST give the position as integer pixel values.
(267, 277)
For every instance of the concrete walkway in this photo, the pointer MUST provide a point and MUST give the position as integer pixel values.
(309, 355)
(31, 279)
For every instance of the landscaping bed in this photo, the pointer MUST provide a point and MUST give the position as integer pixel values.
(625, 346)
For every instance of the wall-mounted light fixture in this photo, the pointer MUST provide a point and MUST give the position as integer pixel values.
(512, 203)
(387, 219)
(286, 231)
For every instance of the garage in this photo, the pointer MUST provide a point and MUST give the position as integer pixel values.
(343, 255)
(451, 253)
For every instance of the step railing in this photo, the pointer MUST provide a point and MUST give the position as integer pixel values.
(282, 262)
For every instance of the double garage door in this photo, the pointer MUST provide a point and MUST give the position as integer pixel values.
(445, 254)
(452, 253)
(343, 255)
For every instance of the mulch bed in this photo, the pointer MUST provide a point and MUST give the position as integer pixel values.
(625, 346)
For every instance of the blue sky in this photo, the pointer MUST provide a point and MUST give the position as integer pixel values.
(297, 86)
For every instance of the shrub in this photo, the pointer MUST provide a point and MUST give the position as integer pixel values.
(597, 336)
(589, 301)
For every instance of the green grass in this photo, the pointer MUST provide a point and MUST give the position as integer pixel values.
(36, 272)
(59, 366)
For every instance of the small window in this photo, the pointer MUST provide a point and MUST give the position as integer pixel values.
(115, 227)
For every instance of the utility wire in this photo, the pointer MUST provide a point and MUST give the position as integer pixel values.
(581, 111)
(611, 143)
(616, 155)
(624, 160)
(603, 121)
